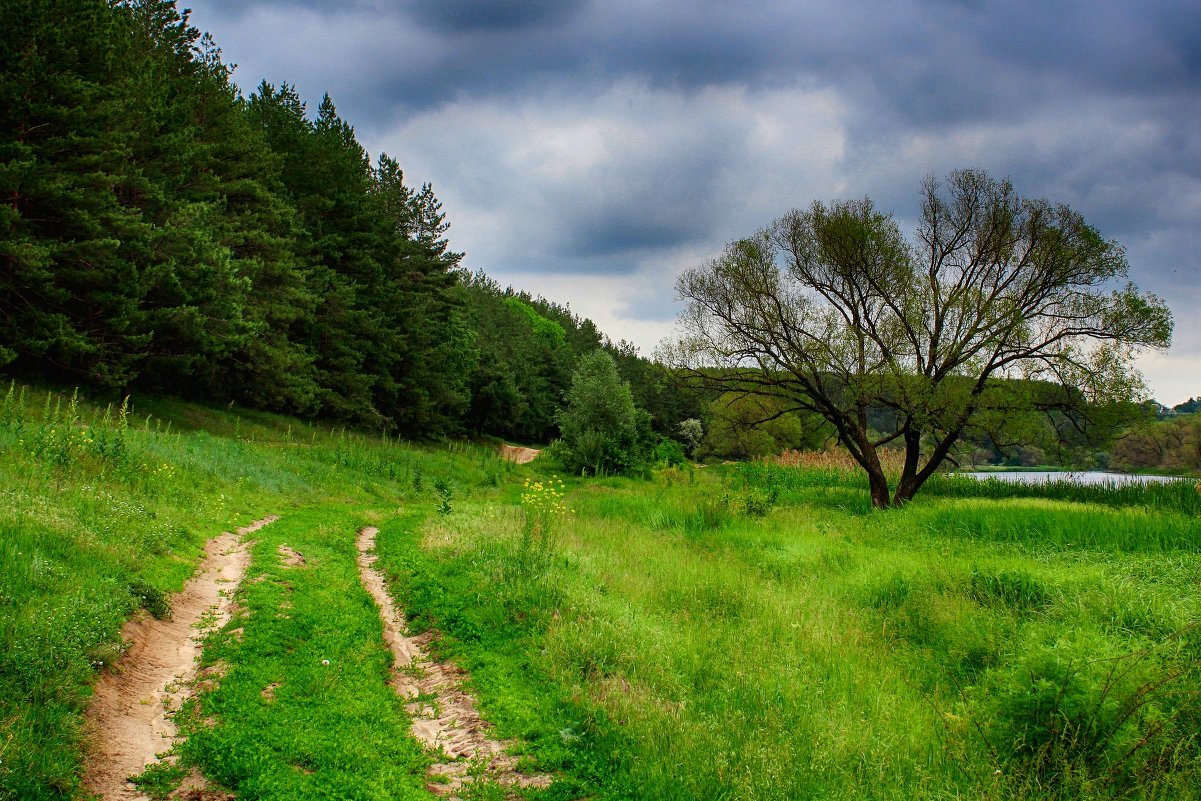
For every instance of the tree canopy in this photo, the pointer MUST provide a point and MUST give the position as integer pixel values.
(163, 232)
(833, 311)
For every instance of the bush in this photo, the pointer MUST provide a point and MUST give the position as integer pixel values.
(747, 427)
(669, 453)
(603, 431)
(691, 434)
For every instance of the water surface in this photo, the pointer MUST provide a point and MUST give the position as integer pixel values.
(1086, 478)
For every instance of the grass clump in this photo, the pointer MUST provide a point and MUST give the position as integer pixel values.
(1017, 590)
(150, 598)
(1076, 717)
(160, 779)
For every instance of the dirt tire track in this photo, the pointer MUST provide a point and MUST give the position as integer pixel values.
(128, 721)
(449, 724)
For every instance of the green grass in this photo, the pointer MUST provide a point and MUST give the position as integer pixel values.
(1171, 496)
(1040, 524)
(303, 708)
(102, 512)
(494, 623)
(750, 632)
(96, 518)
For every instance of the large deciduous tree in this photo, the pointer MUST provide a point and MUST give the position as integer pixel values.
(835, 312)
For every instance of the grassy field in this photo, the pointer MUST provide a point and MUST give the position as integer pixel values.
(744, 632)
(106, 508)
(760, 633)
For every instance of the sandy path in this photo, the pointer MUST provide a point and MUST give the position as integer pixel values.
(128, 719)
(515, 453)
(444, 716)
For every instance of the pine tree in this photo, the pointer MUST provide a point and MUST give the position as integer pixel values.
(424, 379)
(71, 229)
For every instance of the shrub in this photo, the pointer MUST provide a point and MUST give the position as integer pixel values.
(746, 427)
(669, 453)
(603, 431)
(444, 492)
(691, 434)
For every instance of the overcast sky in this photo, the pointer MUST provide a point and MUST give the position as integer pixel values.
(590, 150)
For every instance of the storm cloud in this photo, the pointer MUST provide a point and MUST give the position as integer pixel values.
(591, 151)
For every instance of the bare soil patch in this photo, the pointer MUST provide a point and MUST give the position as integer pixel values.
(515, 453)
(129, 718)
(291, 557)
(445, 718)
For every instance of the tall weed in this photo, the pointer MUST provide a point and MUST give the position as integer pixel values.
(543, 506)
(1179, 496)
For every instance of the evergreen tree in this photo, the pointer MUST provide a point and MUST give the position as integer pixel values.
(323, 174)
(159, 230)
(524, 367)
(223, 286)
(71, 229)
(425, 371)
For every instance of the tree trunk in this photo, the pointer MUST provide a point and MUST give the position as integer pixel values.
(908, 488)
(905, 491)
(879, 485)
(909, 484)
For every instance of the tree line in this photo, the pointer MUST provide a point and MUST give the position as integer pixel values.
(1169, 444)
(164, 232)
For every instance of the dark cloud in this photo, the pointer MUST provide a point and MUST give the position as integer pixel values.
(632, 139)
(238, 9)
(455, 16)
(924, 62)
(627, 231)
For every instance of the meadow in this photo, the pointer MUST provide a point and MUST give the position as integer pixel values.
(750, 631)
(759, 632)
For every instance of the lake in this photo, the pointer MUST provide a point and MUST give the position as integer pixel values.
(1083, 477)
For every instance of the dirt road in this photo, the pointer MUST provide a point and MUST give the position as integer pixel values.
(129, 718)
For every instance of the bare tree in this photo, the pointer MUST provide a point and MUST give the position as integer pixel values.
(835, 311)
